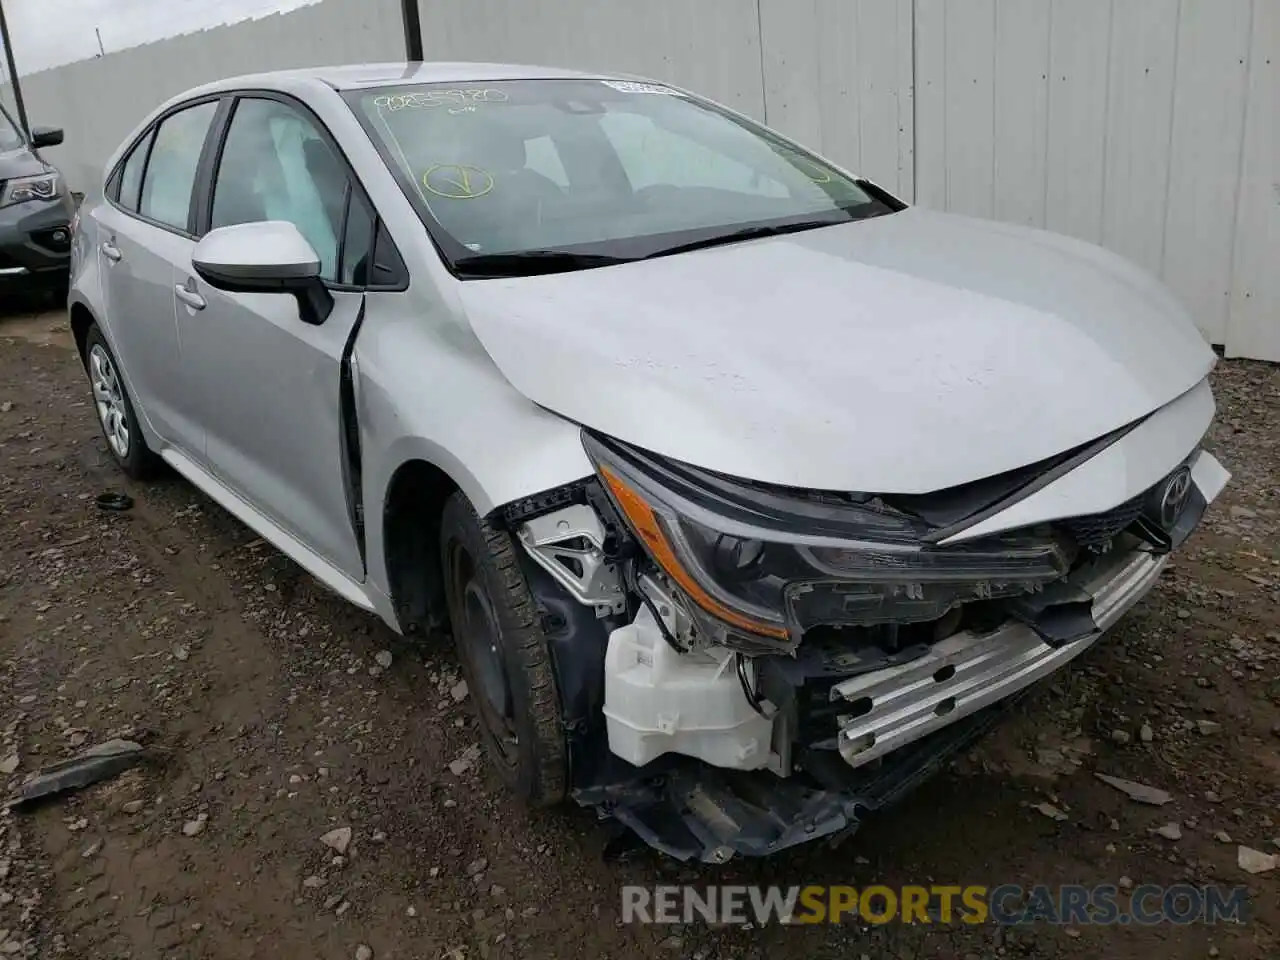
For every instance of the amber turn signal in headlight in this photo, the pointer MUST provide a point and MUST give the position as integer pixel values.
(648, 527)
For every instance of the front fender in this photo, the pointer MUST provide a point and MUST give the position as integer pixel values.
(441, 400)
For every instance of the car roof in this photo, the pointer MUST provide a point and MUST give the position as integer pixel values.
(357, 75)
(369, 74)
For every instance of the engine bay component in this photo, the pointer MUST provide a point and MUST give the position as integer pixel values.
(658, 700)
(692, 811)
(569, 543)
(962, 674)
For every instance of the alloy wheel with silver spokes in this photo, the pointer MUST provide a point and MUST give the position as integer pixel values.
(116, 410)
(108, 397)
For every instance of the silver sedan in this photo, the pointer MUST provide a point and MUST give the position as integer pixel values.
(748, 491)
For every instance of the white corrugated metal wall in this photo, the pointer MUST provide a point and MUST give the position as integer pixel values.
(712, 46)
(1149, 126)
(837, 77)
(835, 74)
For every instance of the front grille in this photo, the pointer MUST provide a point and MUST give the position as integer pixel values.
(7, 262)
(1095, 531)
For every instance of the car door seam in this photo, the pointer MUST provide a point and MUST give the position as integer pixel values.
(349, 437)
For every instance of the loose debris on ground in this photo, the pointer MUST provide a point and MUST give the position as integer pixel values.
(89, 766)
(323, 793)
(1137, 791)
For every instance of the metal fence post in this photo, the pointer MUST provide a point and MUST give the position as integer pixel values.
(412, 29)
(13, 72)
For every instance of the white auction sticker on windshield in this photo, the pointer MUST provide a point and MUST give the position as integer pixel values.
(631, 86)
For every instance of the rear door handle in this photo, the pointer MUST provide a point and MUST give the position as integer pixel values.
(111, 251)
(189, 297)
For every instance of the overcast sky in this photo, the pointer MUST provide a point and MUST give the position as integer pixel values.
(46, 33)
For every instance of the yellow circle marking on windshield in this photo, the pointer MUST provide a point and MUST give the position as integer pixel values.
(457, 181)
(814, 174)
(809, 168)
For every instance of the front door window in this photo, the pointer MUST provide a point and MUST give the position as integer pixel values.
(276, 166)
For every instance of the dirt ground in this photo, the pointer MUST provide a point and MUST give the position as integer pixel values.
(272, 722)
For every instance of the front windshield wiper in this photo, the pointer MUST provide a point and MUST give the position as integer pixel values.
(528, 263)
(747, 233)
(862, 210)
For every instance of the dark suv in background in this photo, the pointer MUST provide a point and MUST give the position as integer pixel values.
(35, 209)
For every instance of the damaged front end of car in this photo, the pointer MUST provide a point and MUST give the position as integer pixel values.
(744, 667)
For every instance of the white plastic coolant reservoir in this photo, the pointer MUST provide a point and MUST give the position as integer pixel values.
(658, 701)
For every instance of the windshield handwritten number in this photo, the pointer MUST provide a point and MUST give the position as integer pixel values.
(439, 98)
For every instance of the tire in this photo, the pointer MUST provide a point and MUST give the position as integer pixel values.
(497, 630)
(111, 402)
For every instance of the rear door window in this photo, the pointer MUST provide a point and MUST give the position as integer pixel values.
(171, 170)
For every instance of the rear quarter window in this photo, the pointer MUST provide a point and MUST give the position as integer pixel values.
(129, 177)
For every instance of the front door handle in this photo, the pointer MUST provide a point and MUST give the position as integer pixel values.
(111, 251)
(189, 297)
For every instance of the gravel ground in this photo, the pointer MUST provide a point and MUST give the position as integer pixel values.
(277, 714)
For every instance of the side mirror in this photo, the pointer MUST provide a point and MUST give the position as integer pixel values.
(45, 137)
(268, 256)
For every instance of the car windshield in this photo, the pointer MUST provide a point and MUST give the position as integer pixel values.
(567, 174)
(10, 138)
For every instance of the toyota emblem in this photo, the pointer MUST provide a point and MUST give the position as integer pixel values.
(1177, 489)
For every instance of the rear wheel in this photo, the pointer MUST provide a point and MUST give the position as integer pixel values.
(115, 411)
(504, 655)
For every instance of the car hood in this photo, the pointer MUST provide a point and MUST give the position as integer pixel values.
(901, 354)
(20, 162)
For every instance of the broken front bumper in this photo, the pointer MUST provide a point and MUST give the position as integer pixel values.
(881, 732)
(912, 718)
(693, 811)
(962, 674)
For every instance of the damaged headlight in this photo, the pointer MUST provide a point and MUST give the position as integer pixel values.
(761, 565)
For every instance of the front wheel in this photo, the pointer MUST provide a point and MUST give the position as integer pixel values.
(115, 411)
(504, 655)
